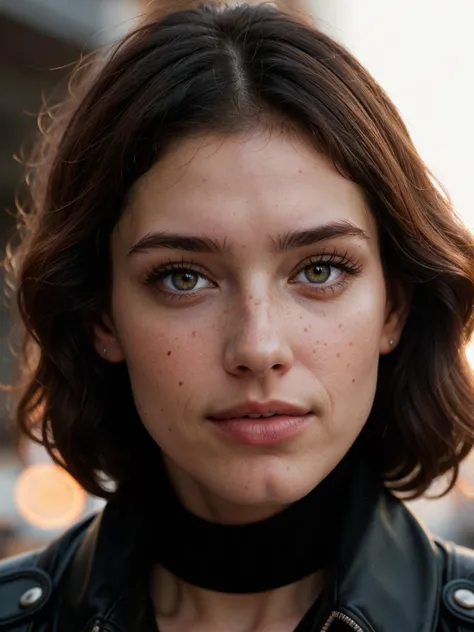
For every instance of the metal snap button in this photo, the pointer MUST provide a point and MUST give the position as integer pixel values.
(464, 598)
(30, 597)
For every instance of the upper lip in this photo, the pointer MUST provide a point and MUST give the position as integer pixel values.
(260, 408)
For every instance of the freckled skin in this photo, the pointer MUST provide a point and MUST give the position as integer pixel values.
(241, 337)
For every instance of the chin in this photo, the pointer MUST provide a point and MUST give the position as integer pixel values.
(264, 486)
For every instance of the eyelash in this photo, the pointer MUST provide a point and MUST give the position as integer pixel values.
(343, 262)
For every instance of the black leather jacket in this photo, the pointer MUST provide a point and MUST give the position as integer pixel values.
(397, 578)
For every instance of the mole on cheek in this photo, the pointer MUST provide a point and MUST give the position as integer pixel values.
(193, 334)
(180, 384)
(169, 353)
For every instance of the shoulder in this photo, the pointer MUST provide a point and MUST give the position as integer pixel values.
(28, 581)
(457, 564)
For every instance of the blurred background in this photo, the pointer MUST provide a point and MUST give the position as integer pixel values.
(422, 53)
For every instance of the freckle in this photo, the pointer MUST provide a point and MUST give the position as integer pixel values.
(300, 171)
(351, 344)
(250, 297)
(340, 325)
(169, 353)
(169, 428)
(247, 487)
(338, 355)
(314, 350)
(301, 317)
(193, 334)
(353, 381)
(348, 365)
(306, 329)
(226, 311)
(162, 410)
(180, 384)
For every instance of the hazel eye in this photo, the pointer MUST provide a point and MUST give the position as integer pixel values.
(183, 280)
(318, 274)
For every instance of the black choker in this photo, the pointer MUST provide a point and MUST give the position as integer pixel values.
(254, 557)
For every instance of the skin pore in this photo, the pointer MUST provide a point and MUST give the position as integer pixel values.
(281, 297)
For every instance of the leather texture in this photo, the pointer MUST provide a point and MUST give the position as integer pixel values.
(392, 576)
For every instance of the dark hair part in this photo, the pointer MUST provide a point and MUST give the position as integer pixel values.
(218, 69)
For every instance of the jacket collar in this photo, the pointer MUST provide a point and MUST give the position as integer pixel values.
(387, 576)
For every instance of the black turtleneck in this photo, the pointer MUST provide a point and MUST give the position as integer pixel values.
(255, 557)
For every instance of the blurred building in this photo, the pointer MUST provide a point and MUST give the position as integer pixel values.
(40, 40)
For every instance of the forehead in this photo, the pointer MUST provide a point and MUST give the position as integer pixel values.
(241, 183)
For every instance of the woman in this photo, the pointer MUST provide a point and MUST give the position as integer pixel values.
(246, 305)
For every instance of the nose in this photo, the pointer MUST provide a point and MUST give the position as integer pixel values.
(258, 345)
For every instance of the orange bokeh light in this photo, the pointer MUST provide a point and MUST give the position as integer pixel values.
(48, 497)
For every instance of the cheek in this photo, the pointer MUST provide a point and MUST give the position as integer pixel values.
(341, 345)
(167, 359)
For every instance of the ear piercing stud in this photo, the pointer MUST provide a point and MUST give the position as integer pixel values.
(391, 342)
(105, 351)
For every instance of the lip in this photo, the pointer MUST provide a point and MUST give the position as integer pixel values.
(289, 420)
(263, 431)
(260, 408)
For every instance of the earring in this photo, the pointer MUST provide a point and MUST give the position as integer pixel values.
(104, 351)
(391, 342)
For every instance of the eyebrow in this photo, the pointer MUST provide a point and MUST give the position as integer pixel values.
(153, 241)
(332, 230)
(289, 241)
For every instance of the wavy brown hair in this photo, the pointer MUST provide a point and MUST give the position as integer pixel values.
(226, 69)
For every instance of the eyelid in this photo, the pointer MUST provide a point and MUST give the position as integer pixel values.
(160, 271)
(334, 258)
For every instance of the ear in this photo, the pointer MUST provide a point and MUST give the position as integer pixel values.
(106, 342)
(396, 314)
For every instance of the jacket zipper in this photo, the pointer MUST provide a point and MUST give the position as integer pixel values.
(341, 617)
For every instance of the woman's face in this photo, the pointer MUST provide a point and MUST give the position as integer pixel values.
(247, 279)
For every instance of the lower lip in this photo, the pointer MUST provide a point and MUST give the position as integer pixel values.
(263, 431)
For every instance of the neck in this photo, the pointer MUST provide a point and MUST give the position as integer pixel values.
(184, 606)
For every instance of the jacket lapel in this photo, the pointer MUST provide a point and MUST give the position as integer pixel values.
(388, 576)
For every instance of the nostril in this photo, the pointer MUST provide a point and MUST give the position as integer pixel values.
(243, 369)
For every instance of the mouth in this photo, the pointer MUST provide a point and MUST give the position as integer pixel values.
(258, 410)
(265, 423)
